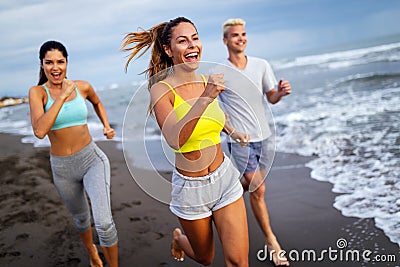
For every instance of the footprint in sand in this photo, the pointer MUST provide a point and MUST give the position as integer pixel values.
(23, 236)
(134, 219)
(136, 202)
(128, 205)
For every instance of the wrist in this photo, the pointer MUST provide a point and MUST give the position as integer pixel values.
(63, 97)
(232, 132)
(204, 100)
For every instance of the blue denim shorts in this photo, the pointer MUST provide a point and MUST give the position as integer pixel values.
(196, 198)
(250, 158)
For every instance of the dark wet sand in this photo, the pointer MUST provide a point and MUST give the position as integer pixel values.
(37, 230)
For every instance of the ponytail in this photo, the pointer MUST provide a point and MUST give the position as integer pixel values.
(143, 41)
(157, 36)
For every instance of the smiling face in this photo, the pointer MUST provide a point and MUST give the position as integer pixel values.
(185, 45)
(54, 65)
(236, 39)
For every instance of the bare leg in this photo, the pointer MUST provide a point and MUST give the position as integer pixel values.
(111, 255)
(87, 240)
(197, 242)
(260, 210)
(231, 224)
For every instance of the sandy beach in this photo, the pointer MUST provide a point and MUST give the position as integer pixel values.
(37, 230)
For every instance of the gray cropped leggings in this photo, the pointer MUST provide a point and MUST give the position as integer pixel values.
(87, 170)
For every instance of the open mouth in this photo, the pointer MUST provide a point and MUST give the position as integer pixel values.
(192, 56)
(56, 76)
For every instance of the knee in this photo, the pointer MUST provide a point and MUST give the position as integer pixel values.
(205, 259)
(82, 221)
(259, 192)
(239, 262)
(239, 259)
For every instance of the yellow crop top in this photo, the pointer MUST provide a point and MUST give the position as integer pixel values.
(208, 128)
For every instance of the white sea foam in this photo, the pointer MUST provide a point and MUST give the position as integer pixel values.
(346, 58)
(356, 140)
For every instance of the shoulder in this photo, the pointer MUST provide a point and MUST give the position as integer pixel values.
(161, 91)
(83, 85)
(85, 88)
(36, 88)
(36, 91)
(257, 60)
(161, 87)
(37, 96)
(259, 64)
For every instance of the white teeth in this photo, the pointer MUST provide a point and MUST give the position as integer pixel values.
(191, 55)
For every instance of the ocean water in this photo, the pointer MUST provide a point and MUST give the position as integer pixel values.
(344, 111)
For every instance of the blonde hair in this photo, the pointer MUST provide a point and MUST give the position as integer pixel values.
(231, 22)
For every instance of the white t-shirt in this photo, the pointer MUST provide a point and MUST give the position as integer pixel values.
(244, 99)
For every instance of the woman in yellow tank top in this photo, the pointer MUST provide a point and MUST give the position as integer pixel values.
(205, 185)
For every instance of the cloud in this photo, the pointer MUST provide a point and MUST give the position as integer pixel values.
(92, 31)
(383, 23)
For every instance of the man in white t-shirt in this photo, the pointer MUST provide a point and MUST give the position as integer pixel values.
(245, 102)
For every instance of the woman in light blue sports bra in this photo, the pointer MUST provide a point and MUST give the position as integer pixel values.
(58, 110)
(206, 187)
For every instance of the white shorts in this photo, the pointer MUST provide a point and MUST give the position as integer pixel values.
(196, 198)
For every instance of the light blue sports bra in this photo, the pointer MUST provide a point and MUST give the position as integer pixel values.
(72, 113)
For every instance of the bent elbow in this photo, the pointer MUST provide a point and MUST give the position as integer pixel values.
(39, 134)
(174, 146)
(171, 140)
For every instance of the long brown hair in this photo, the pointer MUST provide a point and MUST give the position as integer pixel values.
(156, 36)
(48, 46)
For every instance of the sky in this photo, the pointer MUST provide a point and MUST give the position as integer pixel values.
(92, 31)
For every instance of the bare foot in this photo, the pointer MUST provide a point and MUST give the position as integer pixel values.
(95, 260)
(278, 258)
(176, 251)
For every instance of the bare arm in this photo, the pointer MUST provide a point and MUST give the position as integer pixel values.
(238, 137)
(43, 121)
(177, 132)
(274, 96)
(99, 109)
